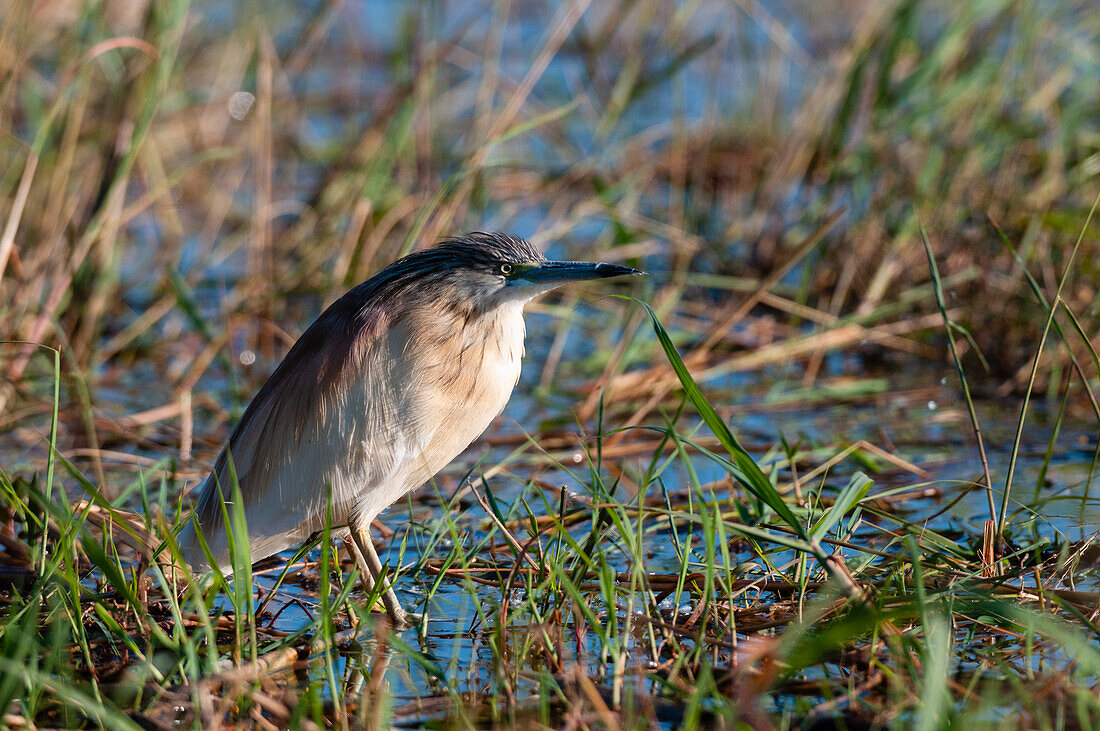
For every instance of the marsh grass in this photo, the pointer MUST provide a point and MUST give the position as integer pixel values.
(574, 623)
(825, 201)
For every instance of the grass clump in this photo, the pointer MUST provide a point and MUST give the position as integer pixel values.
(712, 603)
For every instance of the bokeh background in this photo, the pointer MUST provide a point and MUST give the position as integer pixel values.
(185, 185)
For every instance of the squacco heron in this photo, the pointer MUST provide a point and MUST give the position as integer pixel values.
(383, 390)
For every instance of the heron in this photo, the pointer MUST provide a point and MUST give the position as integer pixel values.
(386, 387)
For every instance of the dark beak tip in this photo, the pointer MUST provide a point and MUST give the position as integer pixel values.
(617, 270)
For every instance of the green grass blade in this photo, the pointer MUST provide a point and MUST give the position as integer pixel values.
(850, 496)
(749, 473)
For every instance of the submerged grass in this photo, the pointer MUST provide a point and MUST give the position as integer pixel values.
(185, 184)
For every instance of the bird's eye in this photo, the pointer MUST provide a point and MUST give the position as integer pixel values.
(505, 269)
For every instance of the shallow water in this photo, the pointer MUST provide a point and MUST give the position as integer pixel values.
(916, 415)
(922, 422)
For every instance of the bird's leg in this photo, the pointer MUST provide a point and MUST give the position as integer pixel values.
(389, 597)
(365, 574)
(370, 566)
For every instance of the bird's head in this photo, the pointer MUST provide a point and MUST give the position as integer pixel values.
(488, 270)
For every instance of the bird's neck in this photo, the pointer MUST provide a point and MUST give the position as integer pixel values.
(462, 341)
(505, 330)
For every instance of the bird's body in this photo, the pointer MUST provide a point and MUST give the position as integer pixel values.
(366, 435)
(383, 390)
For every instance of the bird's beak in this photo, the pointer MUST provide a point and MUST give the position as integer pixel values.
(553, 272)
